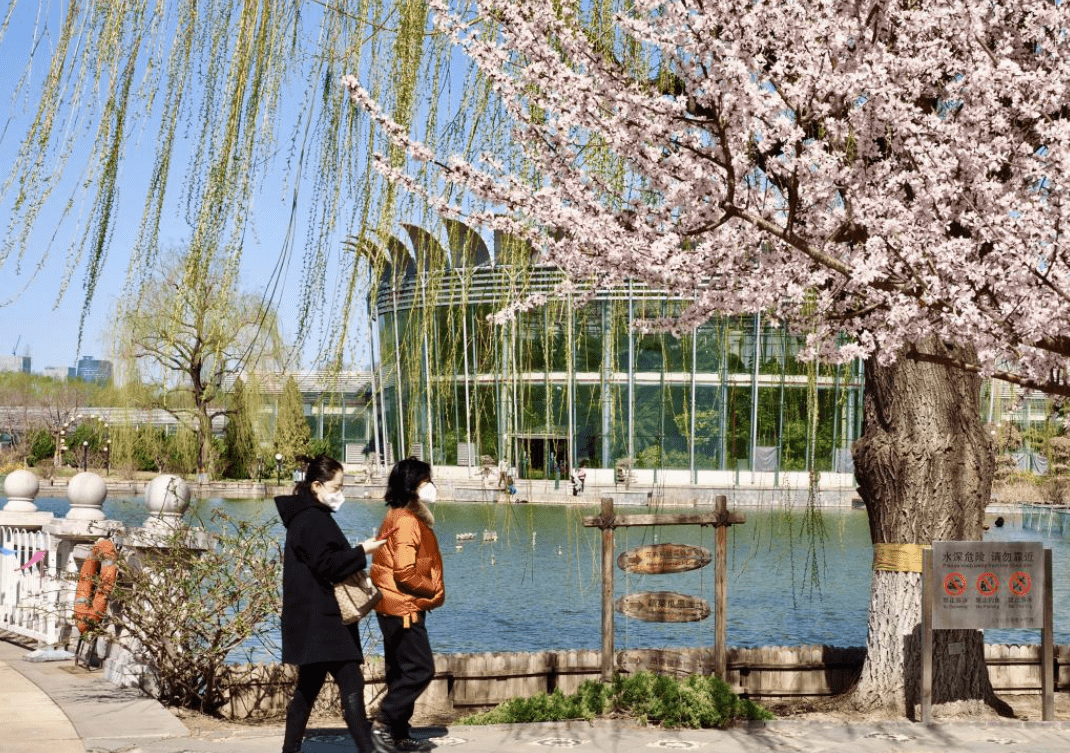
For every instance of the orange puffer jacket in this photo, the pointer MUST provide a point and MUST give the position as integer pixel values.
(408, 568)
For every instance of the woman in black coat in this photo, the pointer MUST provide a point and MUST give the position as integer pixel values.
(317, 555)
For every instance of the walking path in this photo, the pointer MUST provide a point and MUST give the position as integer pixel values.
(55, 707)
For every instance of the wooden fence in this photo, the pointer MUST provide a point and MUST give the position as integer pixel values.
(466, 683)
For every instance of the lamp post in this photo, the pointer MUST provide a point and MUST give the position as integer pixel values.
(85, 455)
(278, 469)
(259, 468)
(107, 448)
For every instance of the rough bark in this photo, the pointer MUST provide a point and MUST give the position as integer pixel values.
(924, 466)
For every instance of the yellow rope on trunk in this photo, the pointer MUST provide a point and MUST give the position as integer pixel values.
(900, 558)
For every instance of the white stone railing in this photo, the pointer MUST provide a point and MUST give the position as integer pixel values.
(41, 556)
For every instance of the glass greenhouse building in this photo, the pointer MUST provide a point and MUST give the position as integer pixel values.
(573, 382)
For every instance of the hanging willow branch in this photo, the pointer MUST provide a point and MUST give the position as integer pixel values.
(205, 110)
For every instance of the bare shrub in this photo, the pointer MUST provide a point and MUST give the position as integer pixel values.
(1055, 490)
(193, 601)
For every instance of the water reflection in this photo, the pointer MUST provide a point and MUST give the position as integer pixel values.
(793, 579)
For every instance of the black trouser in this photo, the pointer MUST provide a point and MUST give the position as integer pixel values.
(310, 679)
(409, 670)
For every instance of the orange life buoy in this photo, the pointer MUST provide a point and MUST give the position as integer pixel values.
(96, 579)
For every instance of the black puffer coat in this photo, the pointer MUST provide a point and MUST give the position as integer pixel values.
(317, 555)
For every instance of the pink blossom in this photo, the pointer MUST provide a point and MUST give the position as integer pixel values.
(891, 175)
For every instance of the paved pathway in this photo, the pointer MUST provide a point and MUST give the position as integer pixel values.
(54, 707)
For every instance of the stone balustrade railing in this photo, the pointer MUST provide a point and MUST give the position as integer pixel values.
(41, 555)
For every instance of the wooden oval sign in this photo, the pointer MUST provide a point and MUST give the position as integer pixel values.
(663, 606)
(664, 558)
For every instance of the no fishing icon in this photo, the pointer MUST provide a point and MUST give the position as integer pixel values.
(987, 584)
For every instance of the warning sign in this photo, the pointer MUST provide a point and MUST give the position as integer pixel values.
(972, 574)
(1021, 583)
(987, 584)
(955, 584)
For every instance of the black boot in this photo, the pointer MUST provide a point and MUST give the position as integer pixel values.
(297, 714)
(359, 726)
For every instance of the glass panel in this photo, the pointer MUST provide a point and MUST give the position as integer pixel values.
(648, 426)
(674, 350)
(709, 346)
(589, 338)
(649, 347)
(793, 448)
(708, 428)
(357, 417)
(486, 406)
(588, 424)
(772, 345)
(768, 416)
(738, 428)
(677, 427)
(739, 347)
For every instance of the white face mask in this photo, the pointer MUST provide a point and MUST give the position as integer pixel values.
(427, 492)
(333, 500)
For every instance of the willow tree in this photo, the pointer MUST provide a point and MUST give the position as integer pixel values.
(293, 435)
(191, 332)
(201, 122)
(240, 445)
(888, 179)
(218, 126)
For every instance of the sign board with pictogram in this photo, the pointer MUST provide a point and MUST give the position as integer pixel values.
(954, 584)
(980, 584)
(1021, 583)
(987, 584)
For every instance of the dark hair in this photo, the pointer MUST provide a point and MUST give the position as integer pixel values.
(321, 468)
(404, 478)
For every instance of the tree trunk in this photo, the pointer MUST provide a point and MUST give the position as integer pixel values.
(924, 465)
(204, 441)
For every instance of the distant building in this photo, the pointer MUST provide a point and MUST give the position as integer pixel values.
(15, 363)
(337, 406)
(94, 370)
(57, 372)
(580, 382)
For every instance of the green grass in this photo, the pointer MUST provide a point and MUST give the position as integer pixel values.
(696, 701)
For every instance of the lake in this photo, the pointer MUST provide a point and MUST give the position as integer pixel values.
(794, 579)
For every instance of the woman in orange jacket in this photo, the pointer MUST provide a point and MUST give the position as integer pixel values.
(408, 572)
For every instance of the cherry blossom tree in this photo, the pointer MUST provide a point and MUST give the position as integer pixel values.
(889, 178)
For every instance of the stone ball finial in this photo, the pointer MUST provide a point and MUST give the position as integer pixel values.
(20, 488)
(167, 497)
(86, 493)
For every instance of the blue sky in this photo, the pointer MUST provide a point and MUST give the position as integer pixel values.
(35, 320)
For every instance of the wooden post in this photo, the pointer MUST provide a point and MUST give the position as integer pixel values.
(607, 589)
(720, 591)
(721, 519)
(927, 594)
(1047, 648)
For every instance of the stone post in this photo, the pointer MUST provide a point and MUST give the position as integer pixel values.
(86, 493)
(20, 488)
(167, 498)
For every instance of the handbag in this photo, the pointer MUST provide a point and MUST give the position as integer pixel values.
(356, 596)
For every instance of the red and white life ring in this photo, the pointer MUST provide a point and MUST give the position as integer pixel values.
(95, 583)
